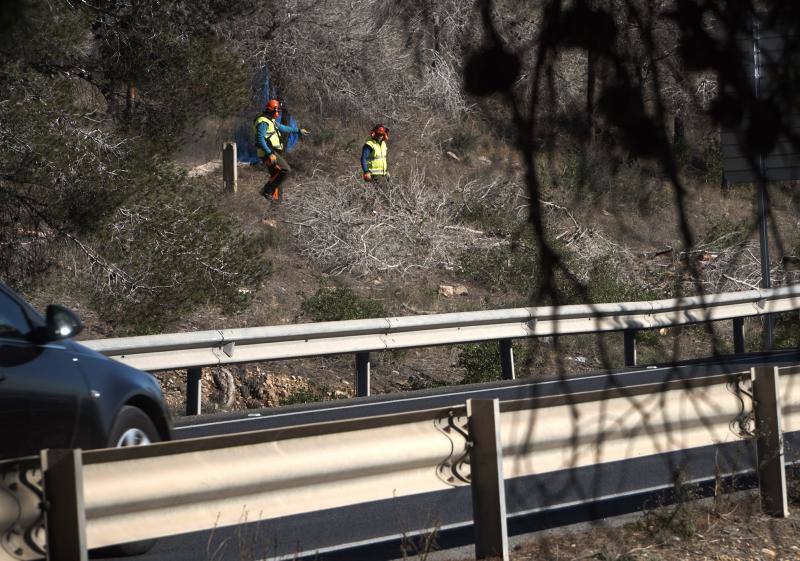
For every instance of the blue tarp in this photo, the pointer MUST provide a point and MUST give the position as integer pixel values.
(243, 135)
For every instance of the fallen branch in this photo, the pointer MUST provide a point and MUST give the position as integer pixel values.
(743, 283)
(562, 209)
(668, 249)
(415, 310)
(464, 228)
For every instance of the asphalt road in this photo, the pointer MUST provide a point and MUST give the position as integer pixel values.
(372, 531)
(228, 423)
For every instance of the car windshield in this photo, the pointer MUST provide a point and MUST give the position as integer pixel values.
(13, 322)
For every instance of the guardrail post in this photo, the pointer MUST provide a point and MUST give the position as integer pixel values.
(738, 335)
(507, 359)
(362, 374)
(630, 347)
(229, 179)
(65, 515)
(488, 486)
(194, 391)
(769, 441)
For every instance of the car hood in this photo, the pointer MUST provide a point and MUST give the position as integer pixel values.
(111, 365)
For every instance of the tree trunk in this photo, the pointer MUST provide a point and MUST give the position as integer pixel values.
(130, 98)
(591, 76)
(679, 131)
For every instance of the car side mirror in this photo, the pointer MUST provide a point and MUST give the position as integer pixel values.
(62, 323)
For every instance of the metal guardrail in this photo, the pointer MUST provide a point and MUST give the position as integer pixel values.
(227, 346)
(206, 483)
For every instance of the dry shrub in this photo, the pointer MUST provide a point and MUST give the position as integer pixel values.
(735, 267)
(169, 251)
(404, 225)
(373, 65)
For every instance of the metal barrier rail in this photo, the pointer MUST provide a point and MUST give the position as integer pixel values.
(228, 346)
(205, 483)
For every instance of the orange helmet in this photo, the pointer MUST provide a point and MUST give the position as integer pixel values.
(380, 131)
(272, 106)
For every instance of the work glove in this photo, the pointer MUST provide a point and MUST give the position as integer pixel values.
(367, 176)
(271, 159)
(304, 132)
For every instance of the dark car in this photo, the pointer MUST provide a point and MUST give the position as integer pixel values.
(55, 393)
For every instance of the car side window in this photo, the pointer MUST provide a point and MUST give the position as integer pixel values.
(13, 322)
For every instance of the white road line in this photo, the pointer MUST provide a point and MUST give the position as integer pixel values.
(378, 540)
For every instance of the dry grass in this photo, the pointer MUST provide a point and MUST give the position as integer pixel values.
(728, 529)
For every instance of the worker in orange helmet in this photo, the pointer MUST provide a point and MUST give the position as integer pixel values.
(374, 162)
(269, 147)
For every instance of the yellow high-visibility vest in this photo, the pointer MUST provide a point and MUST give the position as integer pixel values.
(273, 135)
(377, 163)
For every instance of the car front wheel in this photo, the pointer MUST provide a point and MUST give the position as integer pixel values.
(132, 427)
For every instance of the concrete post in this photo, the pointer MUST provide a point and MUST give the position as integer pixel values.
(362, 374)
(229, 175)
(65, 514)
(507, 359)
(769, 441)
(630, 347)
(488, 486)
(194, 391)
(738, 335)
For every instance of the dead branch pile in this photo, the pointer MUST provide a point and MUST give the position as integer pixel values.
(400, 226)
(735, 267)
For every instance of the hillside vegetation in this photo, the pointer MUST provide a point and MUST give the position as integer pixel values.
(553, 152)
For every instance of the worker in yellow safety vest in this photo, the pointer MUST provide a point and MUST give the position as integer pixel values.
(270, 146)
(374, 162)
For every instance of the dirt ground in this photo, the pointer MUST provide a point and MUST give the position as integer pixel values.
(727, 529)
(295, 278)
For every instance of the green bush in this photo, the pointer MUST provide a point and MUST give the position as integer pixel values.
(592, 173)
(702, 158)
(684, 153)
(174, 251)
(754, 336)
(605, 284)
(680, 343)
(724, 232)
(786, 331)
(587, 171)
(181, 69)
(518, 268)
(793, 483)
(493, 217)
(419, 382)
(341, 303)
(606, 555)
(95, 172)
(481, 361)
(313, 393)
(499, 270)
(463, 142)
(323, 136)
(674, 515)
(637, 186)
(507, 268)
